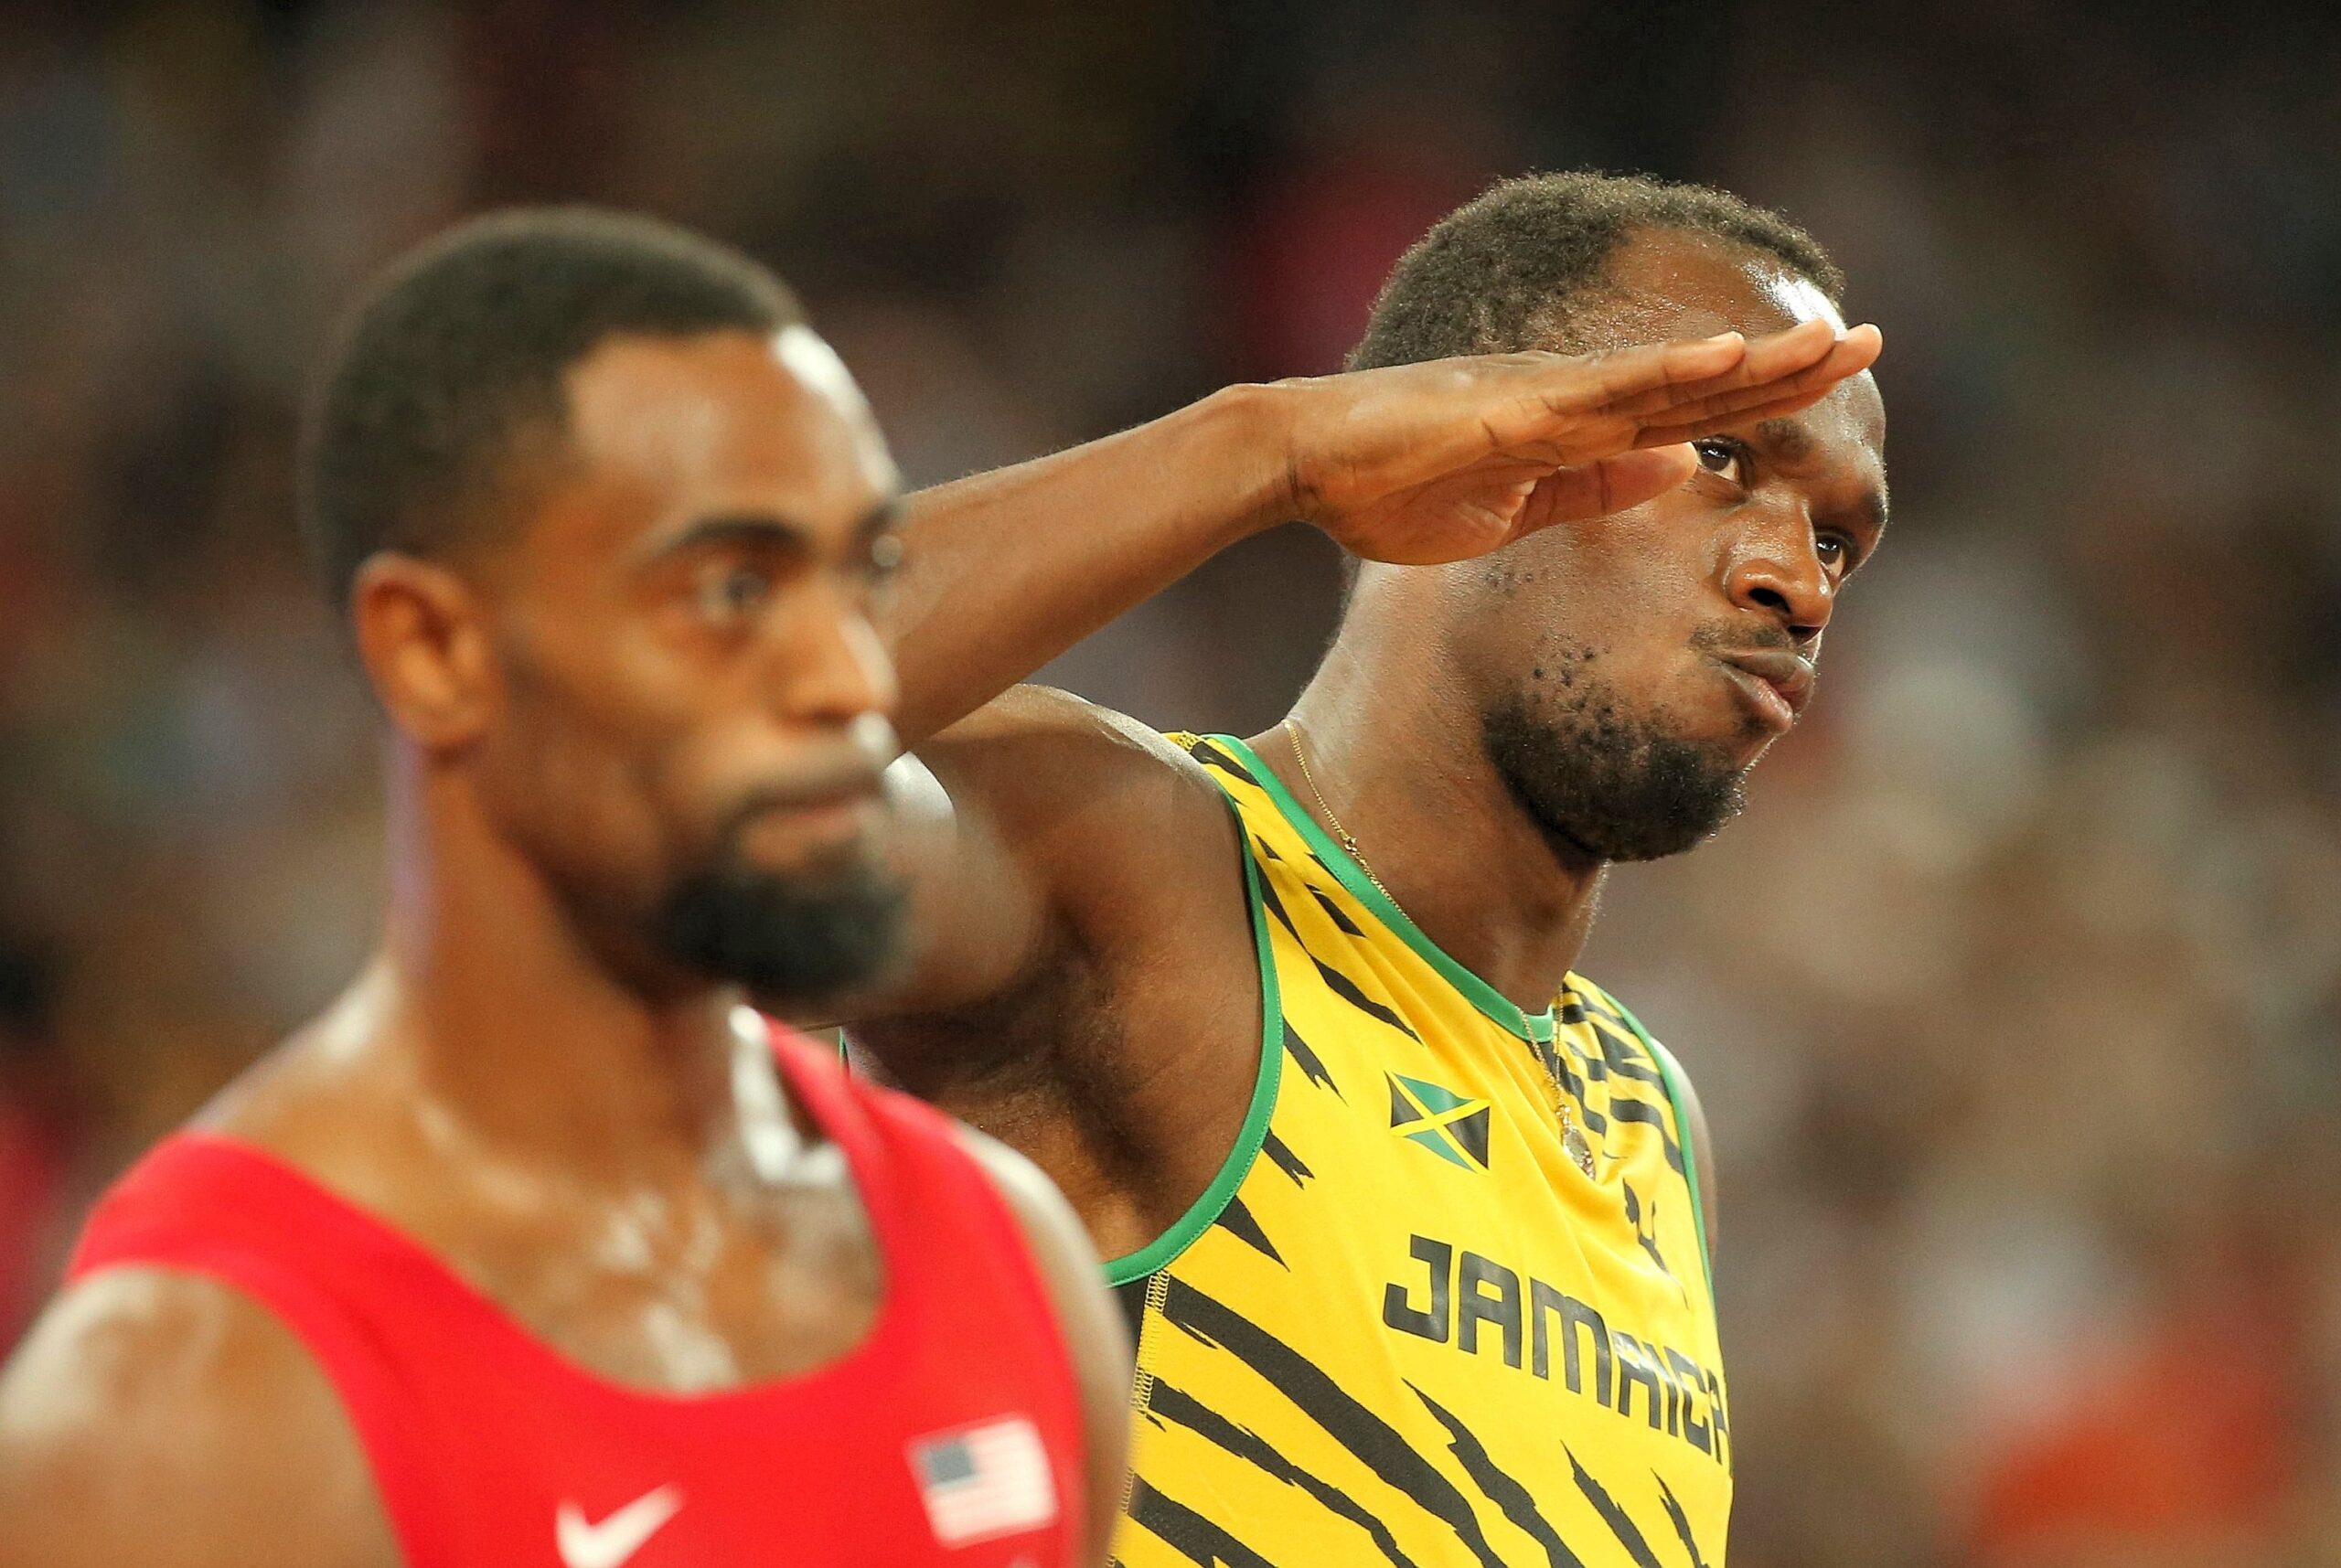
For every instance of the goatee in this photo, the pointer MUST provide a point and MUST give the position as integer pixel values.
(795, 940)
(1608, 783)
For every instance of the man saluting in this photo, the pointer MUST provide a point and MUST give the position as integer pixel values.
(1407, 1213)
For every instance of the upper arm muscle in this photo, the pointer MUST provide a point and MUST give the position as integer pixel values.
(1039, 823)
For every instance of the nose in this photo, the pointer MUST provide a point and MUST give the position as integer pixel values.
(833, 669)
(1776, 572)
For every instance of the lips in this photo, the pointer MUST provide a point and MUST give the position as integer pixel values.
(836, 792)
(1776, 683)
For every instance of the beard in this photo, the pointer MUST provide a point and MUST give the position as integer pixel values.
(795, 939)
(1605, 781)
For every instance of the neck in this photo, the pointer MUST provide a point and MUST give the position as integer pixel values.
(515, 1035)
(1394, 750)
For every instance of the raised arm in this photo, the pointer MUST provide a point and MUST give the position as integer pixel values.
(1413, 463)
(1027, 824)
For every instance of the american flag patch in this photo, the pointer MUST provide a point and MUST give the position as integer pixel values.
(982, 1482)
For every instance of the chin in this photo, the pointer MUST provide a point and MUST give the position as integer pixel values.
(798, 937)
(1605, 784)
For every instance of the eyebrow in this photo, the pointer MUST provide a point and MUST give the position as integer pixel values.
(1790, 438)
(769, 529)
(733, 528)
(1794, 443)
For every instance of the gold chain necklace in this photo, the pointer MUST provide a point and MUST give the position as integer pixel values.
(1349, 840)
(1572, 1139)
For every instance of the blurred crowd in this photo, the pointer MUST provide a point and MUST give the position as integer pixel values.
(2015, 999)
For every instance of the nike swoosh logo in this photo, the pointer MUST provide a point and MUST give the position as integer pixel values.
(619, 1537)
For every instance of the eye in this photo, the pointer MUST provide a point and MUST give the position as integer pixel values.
(1834, 551)
(1719, 457)
(734, 593)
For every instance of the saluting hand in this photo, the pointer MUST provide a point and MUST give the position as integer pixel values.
(1420, 464)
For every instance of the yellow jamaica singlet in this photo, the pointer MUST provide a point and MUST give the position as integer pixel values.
(1406, 1325)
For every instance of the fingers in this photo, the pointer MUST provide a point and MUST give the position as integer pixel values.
(1745, 405)
(1614, 378)
(1809, 353)
(1626, 388)
(1791, 396)
(1850, 355)
(1610, 485)
(1802, 347)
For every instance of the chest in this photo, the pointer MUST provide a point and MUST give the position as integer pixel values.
(1549, 1156)
(752, 1388)
(1420, 1296)
(683, 1296)
(1455, 1209)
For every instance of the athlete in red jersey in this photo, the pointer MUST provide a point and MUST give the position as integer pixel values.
(525, 1253)
(950, 1433)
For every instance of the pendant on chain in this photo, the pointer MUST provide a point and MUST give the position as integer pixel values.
(1574, 1140)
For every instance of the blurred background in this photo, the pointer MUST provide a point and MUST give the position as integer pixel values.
(2017, 998)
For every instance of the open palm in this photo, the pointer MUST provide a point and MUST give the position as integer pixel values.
(1416, 464)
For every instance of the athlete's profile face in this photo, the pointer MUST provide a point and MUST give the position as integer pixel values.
(699, 709)
(1639, 665)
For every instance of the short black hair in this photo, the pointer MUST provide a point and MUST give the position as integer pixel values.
(452, 368)
(1501, 273)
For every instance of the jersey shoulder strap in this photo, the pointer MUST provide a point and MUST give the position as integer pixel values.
(211, 1206)
(1670, 1072)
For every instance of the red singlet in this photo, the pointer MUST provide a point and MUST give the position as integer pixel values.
(951, 1434)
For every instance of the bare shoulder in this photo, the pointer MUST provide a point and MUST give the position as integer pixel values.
(1048, 1222)
(164, 1419)
(1116, 824)
(1051, 846)
(1094, 1332)
(1119, 1045)
(1038, 757)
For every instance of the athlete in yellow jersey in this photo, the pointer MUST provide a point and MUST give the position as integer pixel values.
(1408, 1217)
(1460, 1265)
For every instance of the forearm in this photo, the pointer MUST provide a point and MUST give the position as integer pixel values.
(1007, 569)
(1414, 465)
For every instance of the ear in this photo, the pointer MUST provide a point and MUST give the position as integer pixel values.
(423, 636)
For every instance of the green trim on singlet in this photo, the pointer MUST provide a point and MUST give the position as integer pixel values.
(1672, 1070)
(1502, 1010)
(1206, 1210)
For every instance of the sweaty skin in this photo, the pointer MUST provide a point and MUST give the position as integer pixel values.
(520, 1080)
(1118, 1043)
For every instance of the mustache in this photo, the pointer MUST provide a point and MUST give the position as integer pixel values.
(1718, 637)
(848, 774)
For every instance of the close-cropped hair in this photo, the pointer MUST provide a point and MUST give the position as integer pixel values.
(447, 383)
(1505, 272)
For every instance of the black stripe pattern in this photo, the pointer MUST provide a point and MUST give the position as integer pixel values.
(1188, 1534)
(1242, 1223)
(1371, 1440)
(1621, 1523)
(1502, 1488)
(1175, 1404)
